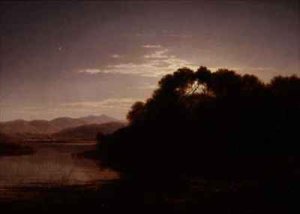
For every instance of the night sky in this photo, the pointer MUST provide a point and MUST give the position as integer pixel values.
(77, 59)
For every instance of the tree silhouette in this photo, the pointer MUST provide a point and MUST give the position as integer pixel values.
(206, 123)
(136, 112)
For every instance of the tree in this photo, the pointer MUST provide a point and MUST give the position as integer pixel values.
(220, 130)
(136, 112)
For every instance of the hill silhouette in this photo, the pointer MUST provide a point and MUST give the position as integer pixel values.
(23, 127)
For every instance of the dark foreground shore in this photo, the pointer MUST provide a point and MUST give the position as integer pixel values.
(198, 196)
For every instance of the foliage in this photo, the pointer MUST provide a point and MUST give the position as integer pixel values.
(205, 123)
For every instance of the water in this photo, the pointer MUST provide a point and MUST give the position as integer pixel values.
(51, 165)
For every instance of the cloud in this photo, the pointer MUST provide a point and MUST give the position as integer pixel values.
(156, 63)
(159, 54)
(148, 86)
(121, 103)
(151, 46)
(115, 56)
(181, 36)
(90, 71)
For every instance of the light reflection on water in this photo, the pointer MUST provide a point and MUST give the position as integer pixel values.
(52, 164)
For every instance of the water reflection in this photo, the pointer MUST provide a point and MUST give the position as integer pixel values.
(52, 164)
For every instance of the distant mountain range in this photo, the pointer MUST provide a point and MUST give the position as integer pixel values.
(50, 126)
(61, 128)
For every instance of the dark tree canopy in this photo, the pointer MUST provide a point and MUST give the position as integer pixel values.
(210, 124)
(135, 112)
